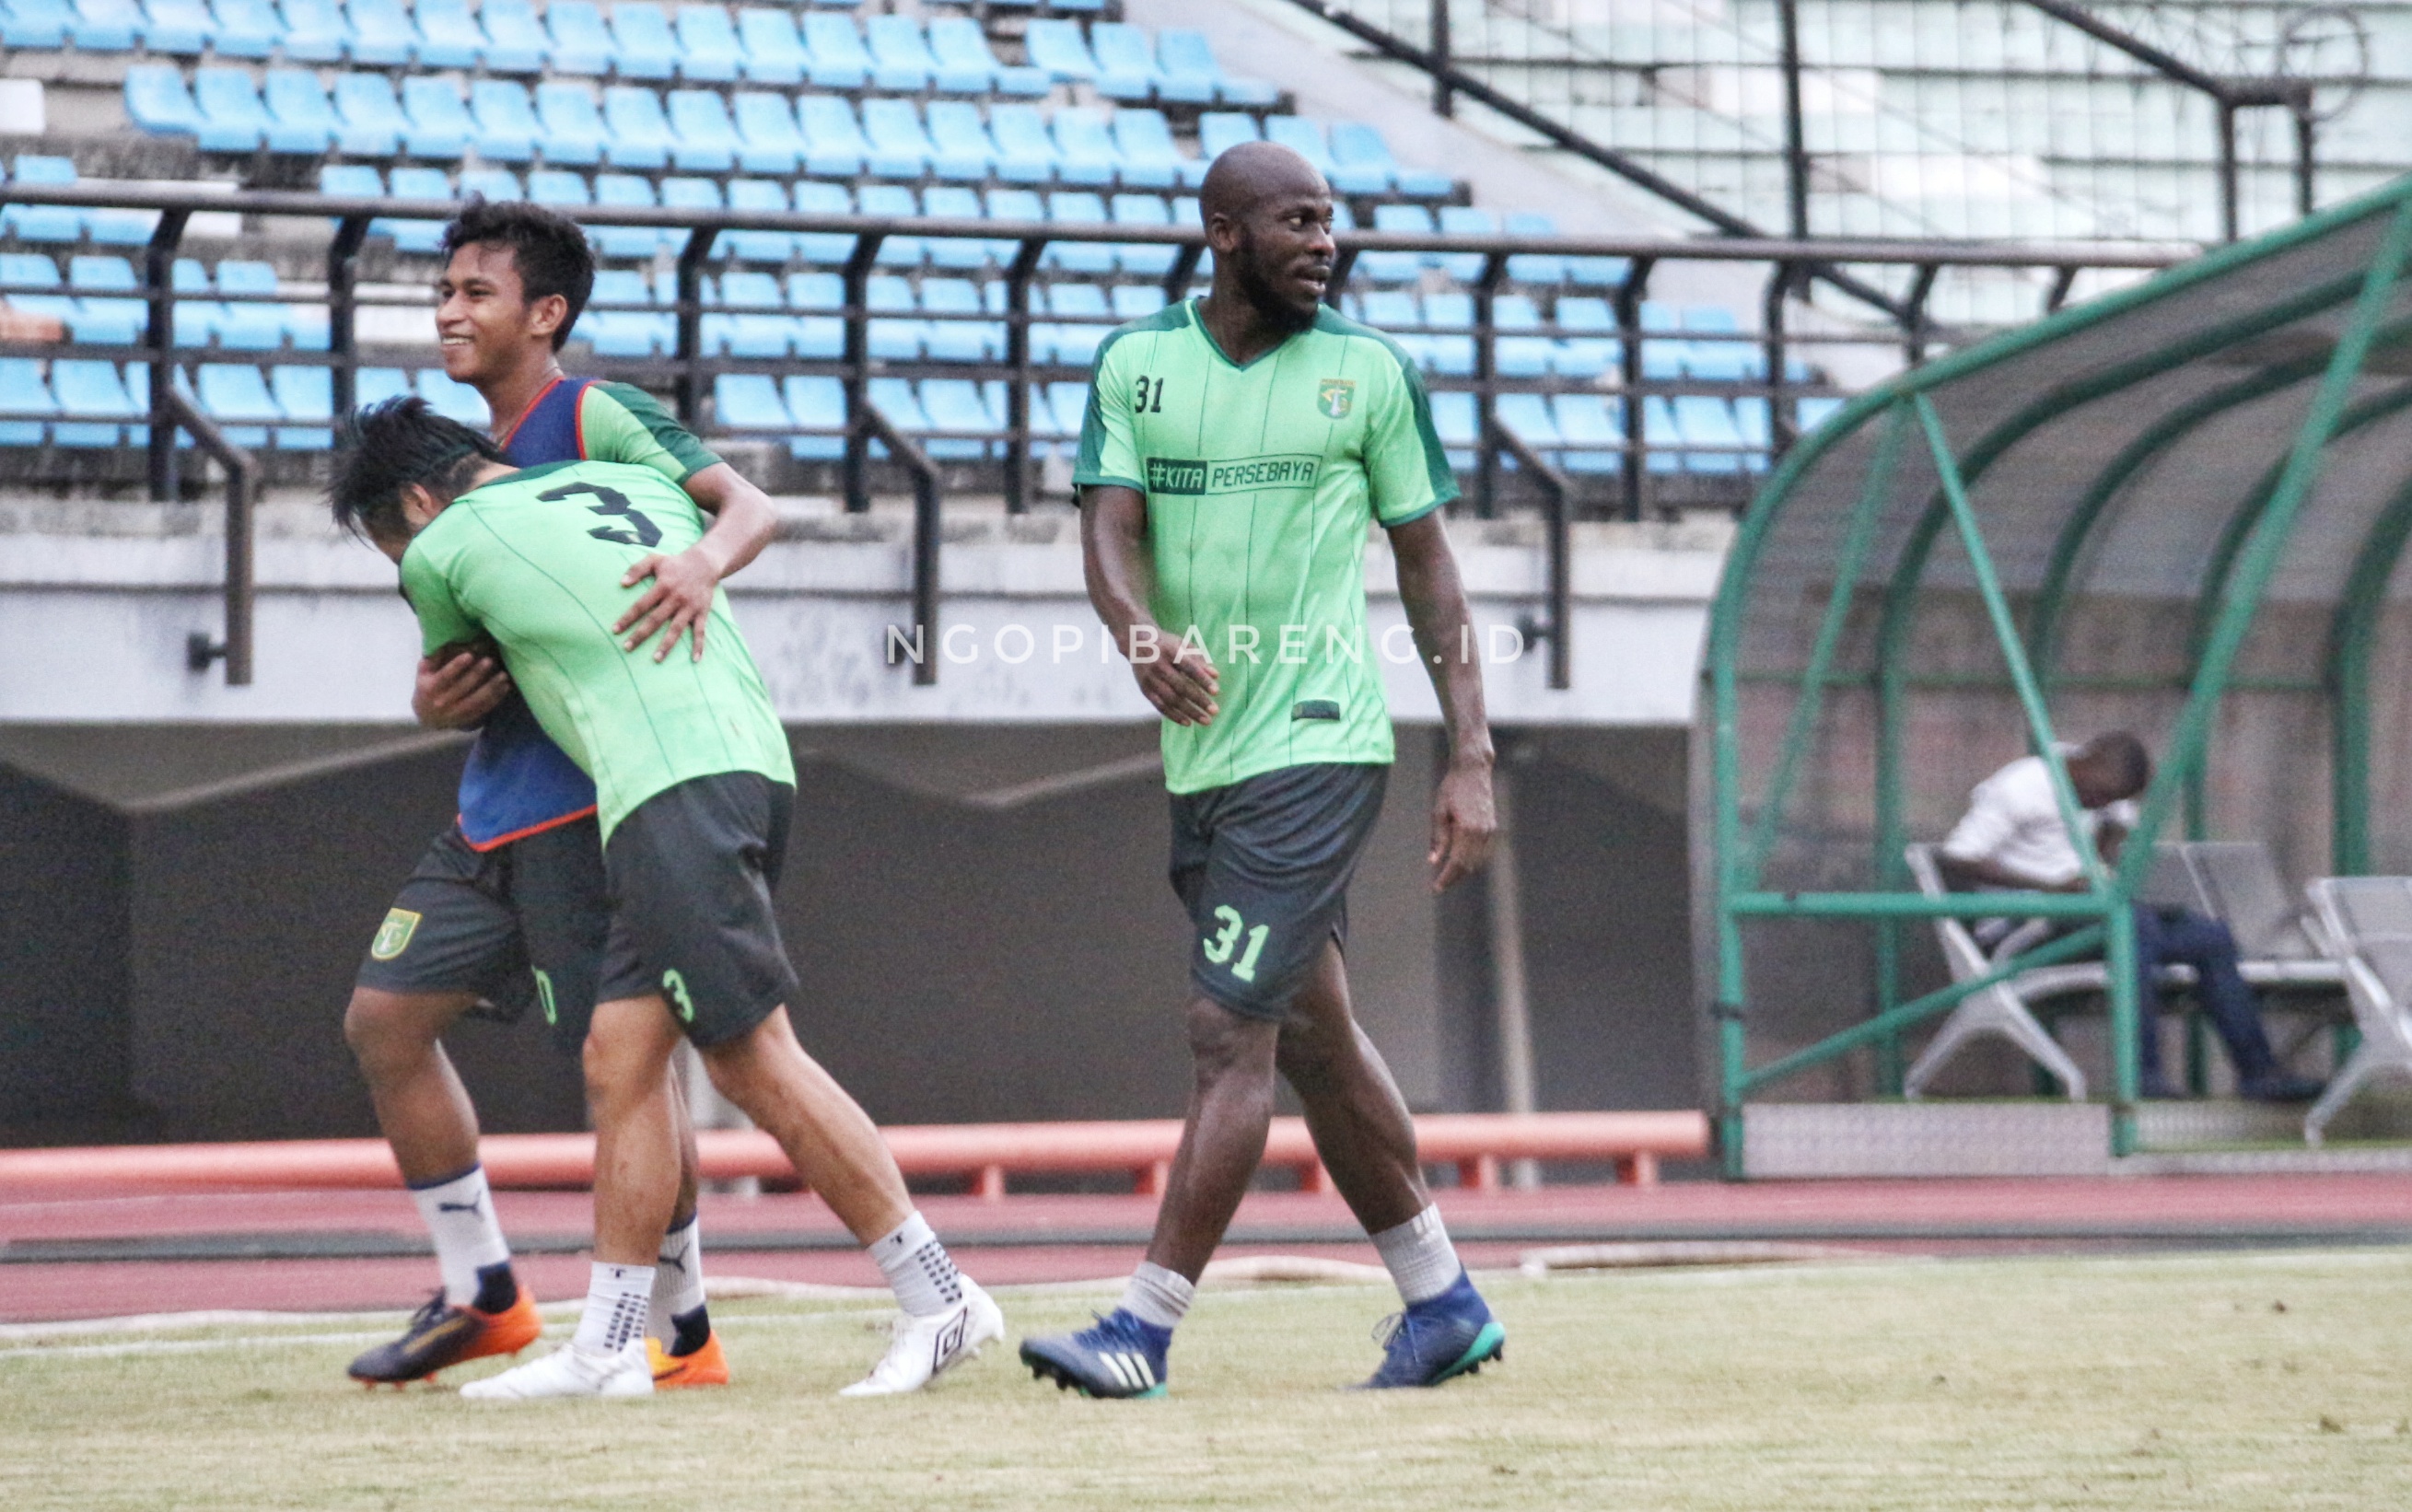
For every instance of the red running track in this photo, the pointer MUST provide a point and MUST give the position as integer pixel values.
(127, 1252)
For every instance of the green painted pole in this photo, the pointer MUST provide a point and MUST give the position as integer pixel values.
(2118, 965)
(2353, 632)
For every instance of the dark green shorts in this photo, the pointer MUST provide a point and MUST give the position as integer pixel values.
(1263, 868)
(519, 925)
(691, 871)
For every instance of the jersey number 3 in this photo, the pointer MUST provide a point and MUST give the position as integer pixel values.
(640, 531)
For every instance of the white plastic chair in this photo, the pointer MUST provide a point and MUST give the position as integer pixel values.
(2002, 1009)
(2366, 922)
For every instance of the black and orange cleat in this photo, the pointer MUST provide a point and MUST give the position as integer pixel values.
(705, 1366)
(441, 1334)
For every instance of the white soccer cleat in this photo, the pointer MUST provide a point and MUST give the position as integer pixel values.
(925, 1347)
(570, 1371)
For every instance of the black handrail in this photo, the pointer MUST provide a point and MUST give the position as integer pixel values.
(926, 524)
(242, 494)
(1559, 629)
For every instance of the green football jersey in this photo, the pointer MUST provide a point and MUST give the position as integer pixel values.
(1262, 481)
(535, 561)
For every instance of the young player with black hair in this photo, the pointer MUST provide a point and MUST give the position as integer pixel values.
(508, 905)
(694, 786)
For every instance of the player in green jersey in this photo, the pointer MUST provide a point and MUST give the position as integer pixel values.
(506, 906)
(1237, 452)
(693, 785)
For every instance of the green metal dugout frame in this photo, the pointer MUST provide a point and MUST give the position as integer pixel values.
(2204, 404)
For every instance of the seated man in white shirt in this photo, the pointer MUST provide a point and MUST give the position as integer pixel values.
(2012, 837)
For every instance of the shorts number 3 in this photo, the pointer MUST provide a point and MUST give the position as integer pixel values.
(1218, 947)
(675, 985)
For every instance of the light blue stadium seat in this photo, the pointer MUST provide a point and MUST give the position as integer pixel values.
(1454, 421)
(515, 40)
(374, 386)
(573, 130)
(382, 34)
(1187, 70)
(749, 402)
(232, 118)
(955, 201)
(35, 25)
(833, 141)
(1661, 437)
(307, 396)
(243, 325)
(693, 194)
(449, 36)
(1529, 416)
(1708, 421)
(1025, 151)
(453, 401)
(236, 396)
(627, 191)
(1135, 302)
(1071, 403)
(621, 287)
(1396, 267)
(1150, 158)
(900, 54)
(1078, 207)
(817, 404)
(900, 149)
(773, 54)
(314, 31)
(839, 61)
(1361, 159)
(581, 44)
(53, 223)
(109, 311)
(894, 200)
(890, 297)
(639, 134)
(440, 128)
(1084, 147)
(1143, 259)
(1219, 131)
(823, 249)
(29, 272)
(106, 25)
(1126, 62)
(26, 399)
(1015, 205)
(1534, 267)
(245, 28)
(642, 44)
(367, 112)
(302, 113)
(706, 140)
(507, 128)
(182, 27)
(1449, 313)
(416, 183)
(762, 196)
(709, 49)
(957, 409)
(560, 189)
(94, 404)
(1058, 47)
(156, 101)
(962, 150)
(499, 184)
(965, 337)
(967, 65)
(1464, 220)
(1750, 414)
(1302, 137)
(767, 139)
(1814, 412)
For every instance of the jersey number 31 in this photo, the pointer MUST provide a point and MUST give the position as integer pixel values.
(640, 531)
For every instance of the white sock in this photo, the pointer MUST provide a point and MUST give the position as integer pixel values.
(1421, 1259)
(917, 1268)
(1159, 1296)
(460, 1216)
(678, 1280)
(617, 1299)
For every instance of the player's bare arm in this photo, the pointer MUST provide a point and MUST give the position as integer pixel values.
(1464, 819)
(1180, 680)
(458, 689)
(680, 601)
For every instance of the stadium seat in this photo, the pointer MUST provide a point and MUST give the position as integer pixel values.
(156, 101)
(440, 126)
(572, 128)
(896, 201)
(1126, 62)
(957, 407)
(1025, 153)
(92, 403)
(416, 183)
(691, 194)
(1708, 421)
(508, 131)
(706, 140)
(823, 248)
(26, 398)
(1143, 259)
(749, 402)
(1361, 159)
(768, 140)
(232, 118)
(900, 149)
(773, 54)
(1188, 71)
(382, 34)
(1381, 266)
(302, 112)
(1302, 137)
(1662, 438)
(58, 223)
(449, 36)
(1464, 220)
(955, 201)
(627, 191)
(1070, 403)
(1534, 267)
(236, 396)
(709, 49)
(892, 340)
(35, 25)
(106, 26)
(1219, 131)
(762, 196)
(1150, 159)
(1058, 47)
(108, 310)
(314, 31)
(638, 133)
(1070, 207)
(642, 43)
(1453, 419)
(1084, 147)
(833, 141)
(839, 58)
(560, 189)
(581, 43)
(307, 396)
(817, 404)
(962, 150)
(244, 29)
(900, 54)
(183, 27)
(1529, 416)
(515, 40)
(366, 110)
(374, 386)
(453, 401)
(967, 65)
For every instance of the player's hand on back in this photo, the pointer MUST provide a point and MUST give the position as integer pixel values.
(679, 603)
(459, 686)
(1181, 679)
(1464, 822)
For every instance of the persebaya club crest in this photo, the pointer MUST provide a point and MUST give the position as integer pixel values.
(1335, 397)
(393, 935)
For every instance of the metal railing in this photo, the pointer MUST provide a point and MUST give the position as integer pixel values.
(688, 371)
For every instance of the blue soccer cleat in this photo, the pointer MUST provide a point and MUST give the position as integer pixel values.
(1451, 1335)
(1121, 1357)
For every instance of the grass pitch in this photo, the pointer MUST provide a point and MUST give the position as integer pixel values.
(2228, 1381)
